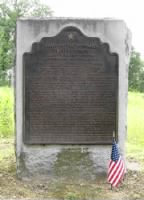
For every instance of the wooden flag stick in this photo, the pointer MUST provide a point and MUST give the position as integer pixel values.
(114, 134)
(111, 187)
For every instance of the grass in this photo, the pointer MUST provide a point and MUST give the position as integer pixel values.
(135, 142)
(6, 112)
(7, 156)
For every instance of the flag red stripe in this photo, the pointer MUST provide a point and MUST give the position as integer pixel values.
(111, 168)
(118, 179)
(115, 165)
(115, 171)
(116, 168)
(120, 175)
(116, 174)
(111, 164)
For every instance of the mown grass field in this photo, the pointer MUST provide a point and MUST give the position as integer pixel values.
(135, 139)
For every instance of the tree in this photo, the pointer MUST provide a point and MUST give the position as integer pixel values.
(10, 10)
(141, 79)
(136, 72)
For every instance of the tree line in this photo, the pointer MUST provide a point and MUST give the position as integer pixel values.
(11, 10)
(136, 72)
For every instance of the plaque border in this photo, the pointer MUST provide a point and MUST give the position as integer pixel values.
(26, 137)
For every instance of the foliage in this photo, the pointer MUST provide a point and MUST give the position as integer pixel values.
(10, 11)
(6, 112)
(136, 72)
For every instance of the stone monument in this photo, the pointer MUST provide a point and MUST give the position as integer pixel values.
(71, 94)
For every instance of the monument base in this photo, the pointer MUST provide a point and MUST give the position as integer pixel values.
(75, 163)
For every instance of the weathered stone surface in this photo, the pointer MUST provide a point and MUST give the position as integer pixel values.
(77, 162)
(65, 163)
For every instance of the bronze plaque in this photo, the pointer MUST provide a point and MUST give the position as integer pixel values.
(70, 90)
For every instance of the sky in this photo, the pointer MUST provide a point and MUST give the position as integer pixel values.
(131, 11)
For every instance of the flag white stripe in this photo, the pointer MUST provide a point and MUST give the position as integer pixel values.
(118, 170)
(114, 169)
(120, 175)
(112, 164)
(116, 164)
(111, 171)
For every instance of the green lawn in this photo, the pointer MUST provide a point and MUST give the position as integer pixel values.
(6, 112)
(135, 142)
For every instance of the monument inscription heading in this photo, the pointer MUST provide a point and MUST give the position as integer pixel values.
(70, 90)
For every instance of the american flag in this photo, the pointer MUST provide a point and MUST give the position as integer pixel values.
(116, 166)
